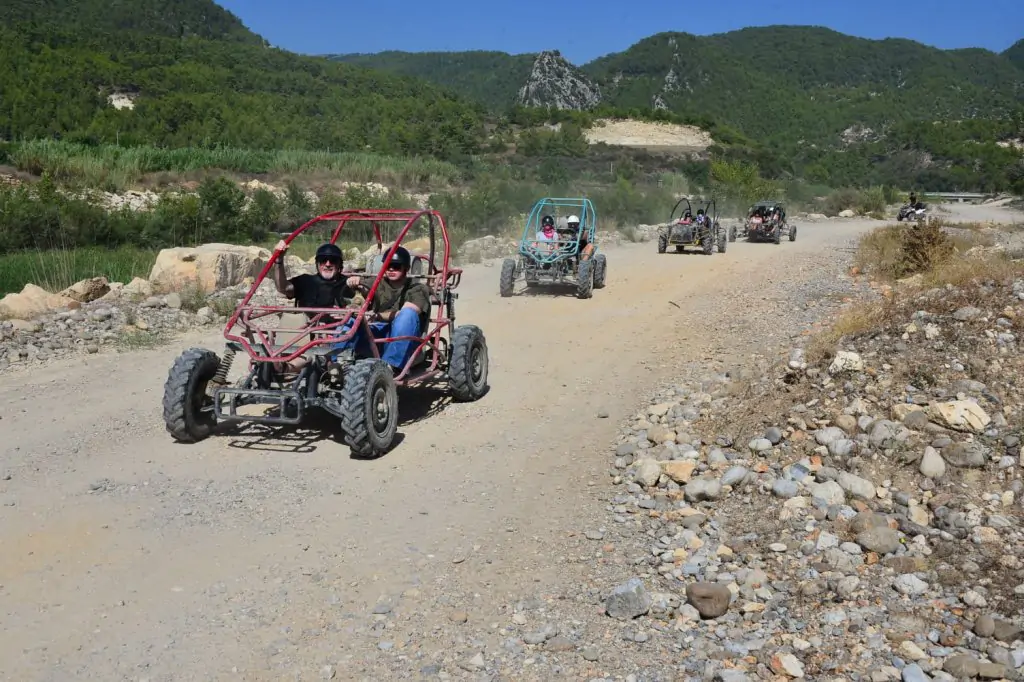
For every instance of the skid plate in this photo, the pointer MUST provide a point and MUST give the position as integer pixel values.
(248, 396)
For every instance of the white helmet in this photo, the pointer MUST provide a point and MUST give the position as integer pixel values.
(573, 219)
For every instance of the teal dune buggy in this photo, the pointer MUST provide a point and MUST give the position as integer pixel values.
(558, 246)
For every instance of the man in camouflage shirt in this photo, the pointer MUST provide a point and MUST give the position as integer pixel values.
(400, 307)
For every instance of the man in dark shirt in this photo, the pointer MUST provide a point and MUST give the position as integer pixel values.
(400, 307)
(325, 289)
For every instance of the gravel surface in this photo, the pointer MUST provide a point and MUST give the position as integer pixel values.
(682, 494)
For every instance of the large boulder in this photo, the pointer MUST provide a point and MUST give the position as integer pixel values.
(87, 290)
(31, 302)
(212, 266)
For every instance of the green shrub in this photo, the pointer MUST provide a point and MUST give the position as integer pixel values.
(841, 200)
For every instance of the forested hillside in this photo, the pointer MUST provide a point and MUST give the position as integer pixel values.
(831, 107)
(789, 83)
(196, 77)
(779, 83)
(167, 18)
(1015, 53)
(491, 78)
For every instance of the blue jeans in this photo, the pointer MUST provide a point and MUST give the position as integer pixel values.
(396, 353)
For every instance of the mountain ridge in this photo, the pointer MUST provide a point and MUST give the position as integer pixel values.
(821, 81)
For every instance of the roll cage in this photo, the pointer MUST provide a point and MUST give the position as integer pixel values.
(325, 327)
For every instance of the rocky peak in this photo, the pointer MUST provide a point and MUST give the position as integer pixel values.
(554, 82)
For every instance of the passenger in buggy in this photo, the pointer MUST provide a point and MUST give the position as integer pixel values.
(400, 307)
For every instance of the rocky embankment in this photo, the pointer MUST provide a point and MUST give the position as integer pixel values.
(850, 515)
(856, 517)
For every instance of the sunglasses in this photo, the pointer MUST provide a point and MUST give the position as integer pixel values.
(336, 262)
(395, 266)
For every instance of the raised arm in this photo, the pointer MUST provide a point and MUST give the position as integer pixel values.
(284, 286)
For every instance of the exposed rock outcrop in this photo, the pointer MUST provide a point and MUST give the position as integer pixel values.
(554, 82)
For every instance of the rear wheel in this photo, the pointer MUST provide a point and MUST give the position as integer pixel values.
(467, 371)
(585, 279)
(600, 269)
(732, 233)
(792, 233)
(662, 242)
(508, 277)
(188, 410)
(722, 240)
(369, 403)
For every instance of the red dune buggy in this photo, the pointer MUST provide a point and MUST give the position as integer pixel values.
(359, 391)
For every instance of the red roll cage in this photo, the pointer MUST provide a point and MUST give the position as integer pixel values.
(326, 326)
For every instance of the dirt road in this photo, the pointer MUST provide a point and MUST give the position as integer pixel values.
(262, 552)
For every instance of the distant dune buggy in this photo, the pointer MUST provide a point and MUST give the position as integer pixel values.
(359, 391)
(687, 227)
(766, 222)
(554, 250)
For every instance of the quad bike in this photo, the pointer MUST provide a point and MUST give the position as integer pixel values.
(559, 261)
(766, 222)
(917, 212)
(684, 230)
(361, 392)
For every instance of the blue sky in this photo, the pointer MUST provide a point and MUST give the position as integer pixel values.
(585, 29)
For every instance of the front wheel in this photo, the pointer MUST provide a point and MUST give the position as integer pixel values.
(732, 233)
(706, 242)
(662, 243)
(188, 410)
(585, 279)
(467, 370)
(722, 240)
(369, 403)
(600, 270)
(508, 277)
(792, 233)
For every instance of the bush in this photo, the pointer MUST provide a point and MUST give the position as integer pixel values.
(872, 200)
(894, 252)
(841, 200)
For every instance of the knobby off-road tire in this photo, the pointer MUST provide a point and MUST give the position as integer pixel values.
(600, 270)
(792, 233)
(707, 244)
(732, 233)
(508, 277)
(185, 395)
(723, 240)
(777, 236)
(662, 242)
(369, 403)
(585, 279)
(467, 371)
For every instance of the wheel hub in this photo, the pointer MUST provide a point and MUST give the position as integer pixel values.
(380, 408)
(477, 364)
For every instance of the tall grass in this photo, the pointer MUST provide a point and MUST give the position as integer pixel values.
(117, 168)
(57, 269)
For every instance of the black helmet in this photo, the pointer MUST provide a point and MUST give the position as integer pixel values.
(547, 220)
(402, 257)
(328, 252)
